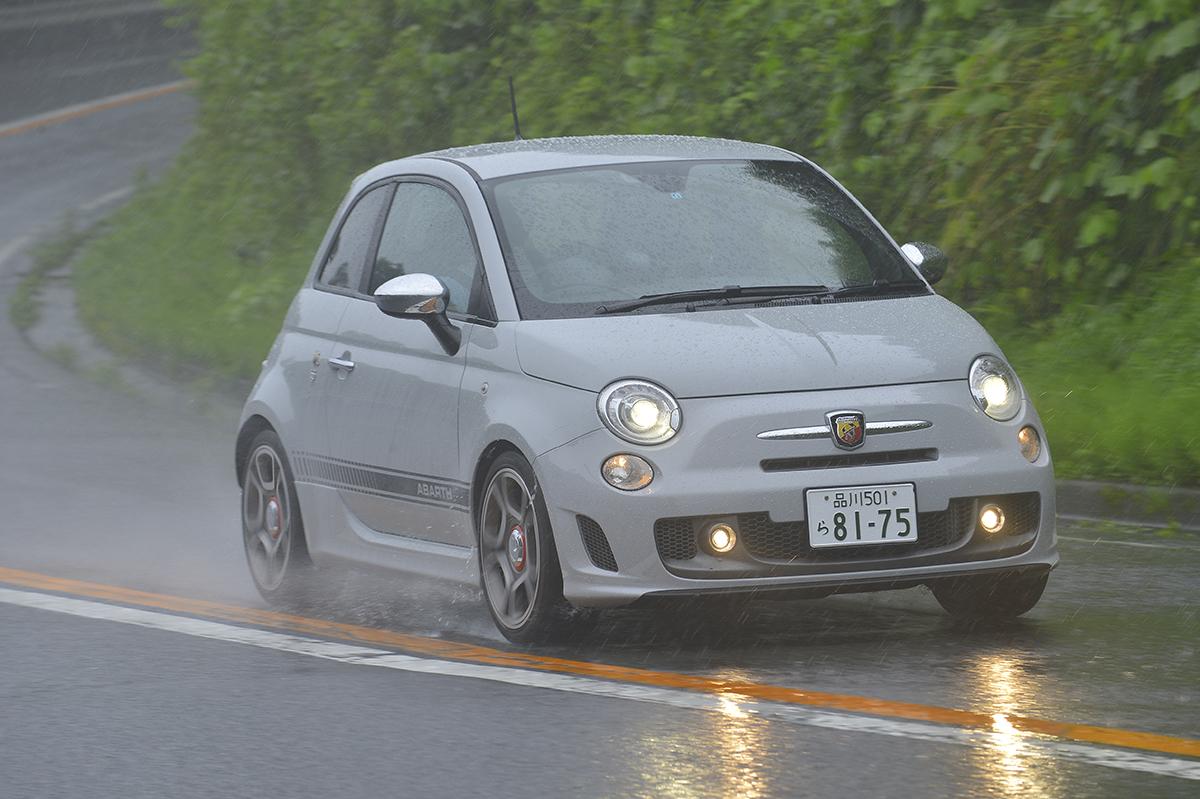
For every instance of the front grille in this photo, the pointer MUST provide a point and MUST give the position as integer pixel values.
(765, 540)
(854, 459)
(596, 544)
(675, 538)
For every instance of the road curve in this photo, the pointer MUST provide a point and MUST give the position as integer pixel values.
(135, 658)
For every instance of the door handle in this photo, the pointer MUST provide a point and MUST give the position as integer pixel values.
(343, 362)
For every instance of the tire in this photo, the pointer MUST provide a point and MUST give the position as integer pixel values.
(519, 570)
(273, 537)
(990, 598)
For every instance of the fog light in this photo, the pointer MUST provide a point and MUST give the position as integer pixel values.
(721, 538)
(627, 472)
(1030, 443)
(991, 519)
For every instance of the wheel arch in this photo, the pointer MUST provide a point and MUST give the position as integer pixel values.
(483, 463)
(253, 425)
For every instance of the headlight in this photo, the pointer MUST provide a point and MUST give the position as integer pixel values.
(995, 388)
(639, 412)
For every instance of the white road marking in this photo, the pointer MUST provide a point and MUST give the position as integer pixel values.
(1006, 744)
(11, 249)
(108, 66)
(1083, 517)
(1146, 545)
(103, 199)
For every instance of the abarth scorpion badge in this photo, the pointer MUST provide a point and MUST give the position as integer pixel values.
(848, 428)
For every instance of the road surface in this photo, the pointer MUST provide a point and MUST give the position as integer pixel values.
(136, 659)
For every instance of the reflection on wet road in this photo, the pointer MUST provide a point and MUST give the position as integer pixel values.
(1007, 753)
(1113, 642)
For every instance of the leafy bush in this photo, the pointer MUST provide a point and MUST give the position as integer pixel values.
(1052, 148)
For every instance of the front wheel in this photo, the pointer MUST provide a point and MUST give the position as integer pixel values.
(518, 563)
(990, 597)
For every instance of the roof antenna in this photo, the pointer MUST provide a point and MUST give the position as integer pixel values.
(512, 97)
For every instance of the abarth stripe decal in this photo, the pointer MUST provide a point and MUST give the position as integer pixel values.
(390, 484)
(381, 495)
(386, 470)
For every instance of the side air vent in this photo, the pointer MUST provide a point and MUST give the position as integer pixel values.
(596, 544)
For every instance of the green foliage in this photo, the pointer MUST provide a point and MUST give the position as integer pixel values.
(1053, 148)
(24, 304)
(1116, 385)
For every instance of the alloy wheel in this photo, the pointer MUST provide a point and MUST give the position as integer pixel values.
(266, 517)
(509, 556)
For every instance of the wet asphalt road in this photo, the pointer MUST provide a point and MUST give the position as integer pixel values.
(101, 486)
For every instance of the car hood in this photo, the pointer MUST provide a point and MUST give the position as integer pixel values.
(760, 349)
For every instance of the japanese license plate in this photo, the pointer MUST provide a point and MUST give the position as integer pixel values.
(851, 515)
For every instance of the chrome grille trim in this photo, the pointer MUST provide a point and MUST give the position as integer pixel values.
(822, 431)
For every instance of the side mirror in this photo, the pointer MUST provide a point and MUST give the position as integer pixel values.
(420, 296)
(929, 260)
(409, 296)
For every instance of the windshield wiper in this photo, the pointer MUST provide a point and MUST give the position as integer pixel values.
(729, 294)
(698, 295)
(830, 293)
(877, 287)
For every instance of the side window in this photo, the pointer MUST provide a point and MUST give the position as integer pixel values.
(426, 233)
(344, 264)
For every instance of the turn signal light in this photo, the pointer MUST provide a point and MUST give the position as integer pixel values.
(627, 472)
(1030, 443)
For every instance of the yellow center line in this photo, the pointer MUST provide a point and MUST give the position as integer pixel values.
(432, 647)
(96, 106)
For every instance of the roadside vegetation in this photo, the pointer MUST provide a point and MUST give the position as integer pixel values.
(49, 255)
(1052, 149)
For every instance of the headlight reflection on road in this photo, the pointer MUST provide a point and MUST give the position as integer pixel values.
(1006, 760)
(734, 745)
(740, 740)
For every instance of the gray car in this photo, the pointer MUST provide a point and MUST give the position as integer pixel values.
(587, 371)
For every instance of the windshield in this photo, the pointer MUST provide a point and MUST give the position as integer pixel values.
(577, 239)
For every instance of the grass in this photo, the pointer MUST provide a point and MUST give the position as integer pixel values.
(23, 302)
(1117, 386)
(109, 375)
(190, 296)
(64, 355)
(48, 255)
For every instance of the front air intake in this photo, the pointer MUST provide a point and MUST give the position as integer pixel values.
(596, 543)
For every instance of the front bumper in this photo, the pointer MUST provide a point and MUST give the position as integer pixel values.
(714, 469)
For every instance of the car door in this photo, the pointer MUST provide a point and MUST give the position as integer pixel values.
(392, 417)
(315, 317)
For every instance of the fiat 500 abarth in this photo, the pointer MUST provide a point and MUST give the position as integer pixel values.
(585, 371)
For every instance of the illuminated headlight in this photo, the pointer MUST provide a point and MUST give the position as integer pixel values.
(995, 388)
(639, 412)
(627, 472)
